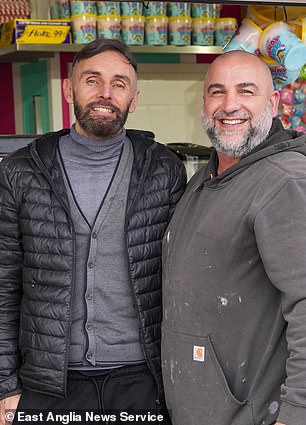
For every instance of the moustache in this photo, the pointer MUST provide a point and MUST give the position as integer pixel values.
(235, 115)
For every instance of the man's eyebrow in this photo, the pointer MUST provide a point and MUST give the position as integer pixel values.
(247, 84)
(90, 72)
(240, 86)
(215, 86)
(98, 74)
(123, 77)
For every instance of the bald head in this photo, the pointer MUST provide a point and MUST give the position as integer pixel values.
(239, 103)
(244, 63)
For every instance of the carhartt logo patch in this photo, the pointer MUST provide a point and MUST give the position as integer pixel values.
(198, 353)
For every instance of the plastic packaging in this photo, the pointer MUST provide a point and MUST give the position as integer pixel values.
(266, 15)
(132, 30)
(299, 28)
(155, 8)
(83, 28)
(131, 8)
(55, 10)
(280, 75)
(179, 8)
(203, 31)
(216, 7)
(281, 44)
(79, 7)
(225, 30)
(180, 30)
(109, 26)
(156, 30)
(202, 10)
(64, 9)
(246, 38)
(108, 8)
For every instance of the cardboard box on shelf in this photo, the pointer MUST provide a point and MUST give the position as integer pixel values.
(35, 31)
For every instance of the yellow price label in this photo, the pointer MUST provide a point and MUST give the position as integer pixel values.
(44, 34)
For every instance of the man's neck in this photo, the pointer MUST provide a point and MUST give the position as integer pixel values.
(225, 162)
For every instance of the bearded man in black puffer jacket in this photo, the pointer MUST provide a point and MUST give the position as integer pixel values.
(82, 217)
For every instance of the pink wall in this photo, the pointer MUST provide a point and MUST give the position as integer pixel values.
(7, 120)
(65, 59)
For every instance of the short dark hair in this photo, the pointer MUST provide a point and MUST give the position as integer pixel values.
(104, 45)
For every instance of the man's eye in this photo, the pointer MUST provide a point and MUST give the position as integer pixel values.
(92, 81)
(216, 92)
(119, 85)
(245, 91)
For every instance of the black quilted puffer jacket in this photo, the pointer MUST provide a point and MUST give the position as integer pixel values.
(37, 248)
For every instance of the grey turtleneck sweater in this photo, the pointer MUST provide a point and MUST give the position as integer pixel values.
(104, 326)
(90, 166)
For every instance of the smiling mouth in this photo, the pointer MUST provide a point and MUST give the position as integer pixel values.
(232, 121)
(102, 109)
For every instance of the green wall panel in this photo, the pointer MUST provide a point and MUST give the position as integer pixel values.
(35, 100)
(156, 58)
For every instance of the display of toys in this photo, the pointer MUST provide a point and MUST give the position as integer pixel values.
(293, 104)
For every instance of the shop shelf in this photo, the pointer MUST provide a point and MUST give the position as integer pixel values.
(33, 52)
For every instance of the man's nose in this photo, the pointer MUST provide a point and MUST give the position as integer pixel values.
(231, 102)
(105, 91)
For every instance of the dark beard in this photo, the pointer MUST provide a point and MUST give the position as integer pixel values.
(103, 127)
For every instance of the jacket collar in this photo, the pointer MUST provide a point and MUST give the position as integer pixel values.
(44, 148)
(46, 145)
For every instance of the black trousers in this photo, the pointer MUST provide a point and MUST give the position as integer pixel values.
(121, 393)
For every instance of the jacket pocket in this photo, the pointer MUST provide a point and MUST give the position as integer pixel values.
(196, 388)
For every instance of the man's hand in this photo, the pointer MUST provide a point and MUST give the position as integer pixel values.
(278, 423)
(9, 403)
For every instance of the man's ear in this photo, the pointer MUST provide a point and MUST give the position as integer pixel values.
(67, 90)
(134, 102)
(275, 102)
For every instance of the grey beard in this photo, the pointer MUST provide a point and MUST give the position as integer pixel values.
(257, 134)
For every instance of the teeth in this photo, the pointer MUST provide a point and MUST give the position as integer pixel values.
(102, 109)
(232, 122)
